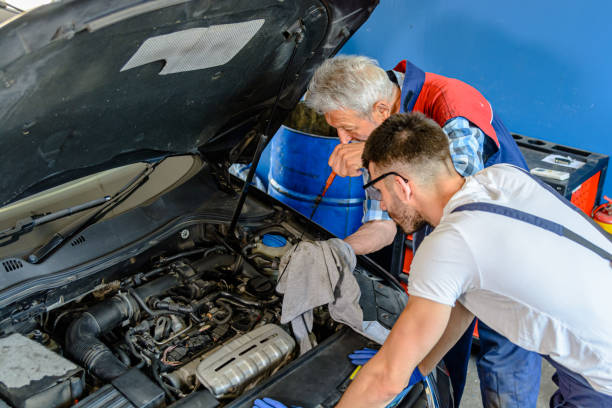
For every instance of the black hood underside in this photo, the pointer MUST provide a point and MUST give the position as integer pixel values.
(87, 81)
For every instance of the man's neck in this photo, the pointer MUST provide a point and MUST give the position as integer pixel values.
(439, 196)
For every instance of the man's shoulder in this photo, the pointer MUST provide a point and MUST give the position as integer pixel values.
(494, 183)
(504, 169)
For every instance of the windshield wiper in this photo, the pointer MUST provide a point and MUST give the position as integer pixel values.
(28, 224)
(66, 234)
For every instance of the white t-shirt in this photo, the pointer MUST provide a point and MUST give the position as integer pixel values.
(542, 291)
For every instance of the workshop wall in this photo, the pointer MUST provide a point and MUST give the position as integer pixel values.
(545, 66)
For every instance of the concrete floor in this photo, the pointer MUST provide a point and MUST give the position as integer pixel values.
(471, 395)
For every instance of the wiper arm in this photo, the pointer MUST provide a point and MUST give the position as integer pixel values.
(66, 234)
(26, 225)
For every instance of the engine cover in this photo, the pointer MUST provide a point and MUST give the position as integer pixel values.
(242, 360)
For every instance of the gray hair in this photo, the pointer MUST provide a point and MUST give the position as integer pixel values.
(349, 82)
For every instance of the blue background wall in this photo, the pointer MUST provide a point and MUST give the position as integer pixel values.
(545, 66)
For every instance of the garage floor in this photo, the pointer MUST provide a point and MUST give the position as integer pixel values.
(471, 395)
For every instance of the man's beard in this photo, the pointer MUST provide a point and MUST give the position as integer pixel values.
(408, 219)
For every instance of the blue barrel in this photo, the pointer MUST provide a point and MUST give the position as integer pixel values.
(298, 172)
(263, 167)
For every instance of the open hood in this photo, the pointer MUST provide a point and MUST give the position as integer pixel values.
(89, 84)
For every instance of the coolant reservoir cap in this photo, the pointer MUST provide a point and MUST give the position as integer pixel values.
(274, 241)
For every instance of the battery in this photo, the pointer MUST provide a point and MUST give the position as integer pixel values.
(36, 377)
(576, 174)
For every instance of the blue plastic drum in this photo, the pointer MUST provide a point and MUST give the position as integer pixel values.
(298, 172)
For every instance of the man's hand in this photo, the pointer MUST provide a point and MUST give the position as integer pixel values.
(346, 161)
(389, 371)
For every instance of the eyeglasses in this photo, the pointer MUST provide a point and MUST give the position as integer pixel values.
(374, 193)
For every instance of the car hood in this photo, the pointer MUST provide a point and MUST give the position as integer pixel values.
(88, 84)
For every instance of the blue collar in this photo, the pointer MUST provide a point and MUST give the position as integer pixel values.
(414, 79)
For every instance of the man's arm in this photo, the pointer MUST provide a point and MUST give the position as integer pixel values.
(460, 319)
(413, 336)
(372, 236)
(466, 144)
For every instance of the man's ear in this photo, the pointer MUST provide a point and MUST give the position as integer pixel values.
(381, 111)
(402, 188)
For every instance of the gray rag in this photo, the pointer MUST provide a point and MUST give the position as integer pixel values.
(319, 273)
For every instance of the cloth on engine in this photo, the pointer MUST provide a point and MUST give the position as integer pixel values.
(314, 274)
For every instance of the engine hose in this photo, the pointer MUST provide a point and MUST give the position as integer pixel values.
(155, 368)
(172, 307)
(258, 304)
(82, 337)
(143, 306)
(153, 272)
(246, 248)
(213, 249)
(130, 344)
(123, 356)
(238, 304)
(183, 255)
(228, 310)
(212, 262)
(264, 257)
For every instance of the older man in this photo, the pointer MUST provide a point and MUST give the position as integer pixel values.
(551, 298)
(356, 96)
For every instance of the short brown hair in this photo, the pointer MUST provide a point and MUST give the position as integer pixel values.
(408, 139)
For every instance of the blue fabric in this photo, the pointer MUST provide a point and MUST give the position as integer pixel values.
(270, 403)
(414, 378)
(414, 78)
(509, 375)
(574, 391)
(466, 144)
(362, 356)
(508, 151)
(456, 362)
(399, 397)
(373, 212)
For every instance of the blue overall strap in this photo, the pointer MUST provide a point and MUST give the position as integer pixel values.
(566, 202)
(536, 221)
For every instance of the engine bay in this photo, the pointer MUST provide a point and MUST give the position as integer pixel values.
(196, 316)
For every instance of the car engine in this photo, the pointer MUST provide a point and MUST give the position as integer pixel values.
(196, 316)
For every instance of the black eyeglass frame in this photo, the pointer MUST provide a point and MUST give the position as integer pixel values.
(382, 176)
